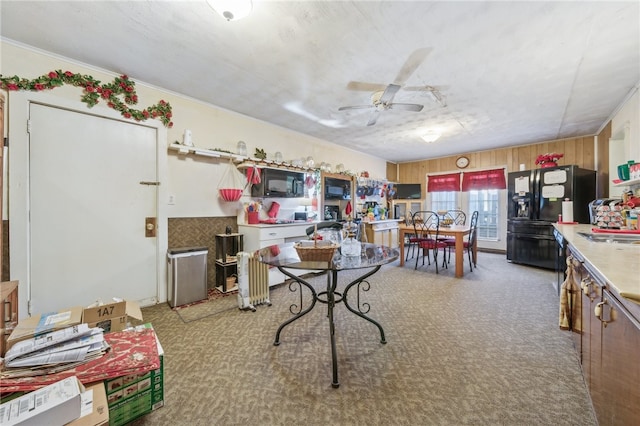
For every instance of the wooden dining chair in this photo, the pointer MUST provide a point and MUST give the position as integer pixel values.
(426, 225)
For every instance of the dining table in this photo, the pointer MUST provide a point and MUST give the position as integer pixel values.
(456, 231)
(365, 262)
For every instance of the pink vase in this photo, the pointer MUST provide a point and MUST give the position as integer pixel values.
(548, 164)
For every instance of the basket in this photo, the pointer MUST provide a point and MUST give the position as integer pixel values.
(230, 194)
(316, 252)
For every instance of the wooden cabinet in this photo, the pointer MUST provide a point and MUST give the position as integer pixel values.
(382, 232)
(403, 209)
(336, 191)
(608, 341)
(8, 311)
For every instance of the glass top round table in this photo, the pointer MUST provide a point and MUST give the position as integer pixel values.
(286, 256)
(370, 259)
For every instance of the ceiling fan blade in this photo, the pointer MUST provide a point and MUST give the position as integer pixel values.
(365, 87)
(425, 88)
(355, 107)
(412, 63)
(374, 118)
(389, 93)
(406, 107)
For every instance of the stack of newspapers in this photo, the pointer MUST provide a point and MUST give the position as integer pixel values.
(54, 351)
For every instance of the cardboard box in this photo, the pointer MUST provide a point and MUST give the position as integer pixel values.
(38, 324)
(95, 411)
(56, 404)
(134, 395)
(112, 316)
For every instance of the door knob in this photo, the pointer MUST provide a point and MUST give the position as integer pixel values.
(150, 227)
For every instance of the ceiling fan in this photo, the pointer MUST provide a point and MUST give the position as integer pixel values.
(382, 97)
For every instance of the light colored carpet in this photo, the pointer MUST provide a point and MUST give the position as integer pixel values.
(218, 305)
(482, 350)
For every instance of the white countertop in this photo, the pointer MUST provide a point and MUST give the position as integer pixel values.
(617, 263)
(271, 225)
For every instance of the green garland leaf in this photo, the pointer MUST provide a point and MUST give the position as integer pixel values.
(118, 94)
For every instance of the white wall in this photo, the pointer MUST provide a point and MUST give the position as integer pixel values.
(629, 116)
(193, 181)
(625, 139)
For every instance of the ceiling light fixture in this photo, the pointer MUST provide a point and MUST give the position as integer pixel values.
(231, 10)
(430, 136)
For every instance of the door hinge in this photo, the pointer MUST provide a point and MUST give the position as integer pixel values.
(29, 311)
(144, 182)
(28, 126)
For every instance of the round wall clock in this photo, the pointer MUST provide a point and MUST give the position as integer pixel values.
(462, 162)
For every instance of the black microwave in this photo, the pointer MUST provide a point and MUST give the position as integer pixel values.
(276, 183)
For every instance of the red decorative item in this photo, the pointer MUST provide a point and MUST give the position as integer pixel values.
(253, 175)
(548, 159)
(348, 209)
(230, 194)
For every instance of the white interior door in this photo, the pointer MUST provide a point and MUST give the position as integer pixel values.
(87, 209)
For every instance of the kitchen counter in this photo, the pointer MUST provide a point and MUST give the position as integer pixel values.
(276, 225)
(616, 263)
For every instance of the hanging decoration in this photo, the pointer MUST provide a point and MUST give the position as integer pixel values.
(230, 187)
(93, 91)
(548, 160)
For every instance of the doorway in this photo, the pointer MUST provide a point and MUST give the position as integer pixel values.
(81, 186)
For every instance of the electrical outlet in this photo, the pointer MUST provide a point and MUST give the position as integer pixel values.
(172, 200)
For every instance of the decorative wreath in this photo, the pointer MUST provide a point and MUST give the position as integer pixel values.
(93, 91)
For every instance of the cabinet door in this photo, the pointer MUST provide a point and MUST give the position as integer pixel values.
(619, 379)
(591, 343)
(393, 238)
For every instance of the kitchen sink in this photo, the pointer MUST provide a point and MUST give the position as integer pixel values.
(612, 238)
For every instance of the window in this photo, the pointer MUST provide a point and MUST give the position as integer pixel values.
(486, 201)
(446, 200)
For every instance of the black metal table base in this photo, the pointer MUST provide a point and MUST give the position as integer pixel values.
(330, 297)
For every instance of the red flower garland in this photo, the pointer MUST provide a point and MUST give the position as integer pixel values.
(93, 91)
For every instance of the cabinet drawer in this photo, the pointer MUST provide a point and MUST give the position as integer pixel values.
(282, 232)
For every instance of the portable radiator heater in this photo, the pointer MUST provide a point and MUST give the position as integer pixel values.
(253, 281)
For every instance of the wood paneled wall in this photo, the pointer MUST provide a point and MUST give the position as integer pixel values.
(579, 151)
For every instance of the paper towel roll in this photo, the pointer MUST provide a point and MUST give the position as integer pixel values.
(567, 211)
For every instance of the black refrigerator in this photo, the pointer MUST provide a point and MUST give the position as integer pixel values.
(535, 201)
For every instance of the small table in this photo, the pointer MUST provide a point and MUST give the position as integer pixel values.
(457, 231)
(372, 257)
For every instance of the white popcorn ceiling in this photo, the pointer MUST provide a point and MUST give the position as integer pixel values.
(507, 72)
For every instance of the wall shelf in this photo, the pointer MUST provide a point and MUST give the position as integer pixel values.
(631, 182)
(184, 149)
(270, 164)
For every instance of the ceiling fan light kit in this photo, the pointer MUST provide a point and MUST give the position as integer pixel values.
(231, 10)
(430, 136)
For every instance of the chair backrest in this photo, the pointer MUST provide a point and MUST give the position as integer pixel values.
(426, 223)
(457, 216)
(473, 234)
